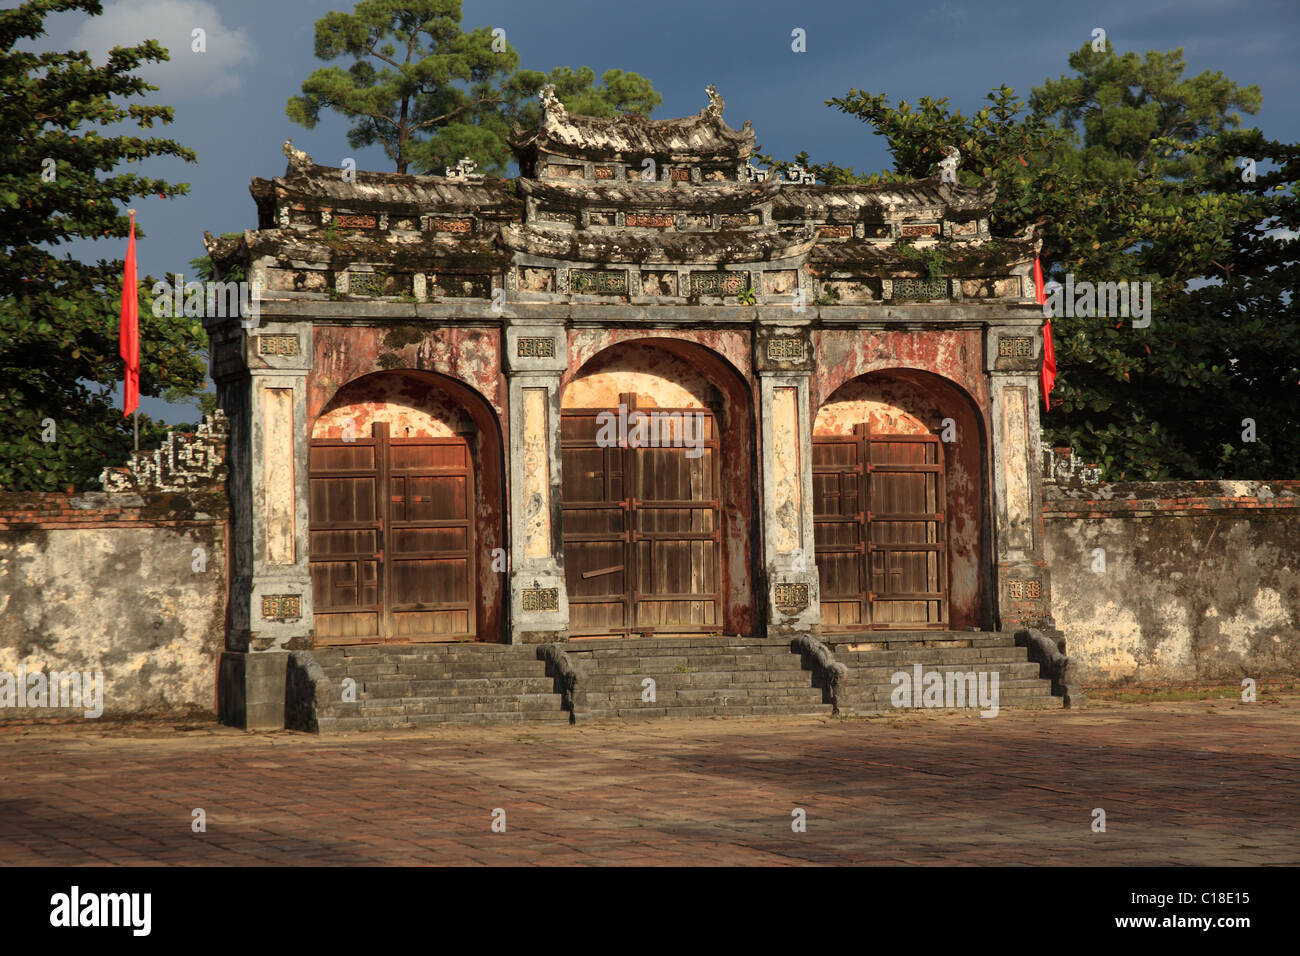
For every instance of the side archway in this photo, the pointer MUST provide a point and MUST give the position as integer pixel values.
(901, 504)
(406, 512)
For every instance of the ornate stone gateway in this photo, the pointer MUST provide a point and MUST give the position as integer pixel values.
(633, 265)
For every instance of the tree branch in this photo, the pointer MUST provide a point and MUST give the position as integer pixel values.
(460, 109)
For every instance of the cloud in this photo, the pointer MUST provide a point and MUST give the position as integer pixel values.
(946, 13)
(220, 69)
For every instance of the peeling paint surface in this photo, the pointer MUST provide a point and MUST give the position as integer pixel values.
(277, 431)
(787, 476)
(469, 355)
(1182, 597)
(537, 477)
(125, 601)
(412, 409)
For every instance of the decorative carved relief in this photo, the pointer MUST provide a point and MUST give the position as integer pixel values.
(791, 598)
(654, 220)
(1016, 346)
(786, 349)
(183, 463)
(281, 607)
(719, 283)
(920, 288)
(277, 345)
(598, 281)
(540, 599)
(1030, 590)
(344, 221)
(535, 347)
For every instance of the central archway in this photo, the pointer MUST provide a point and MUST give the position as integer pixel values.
(658, 466)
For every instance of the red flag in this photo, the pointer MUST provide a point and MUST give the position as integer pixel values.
(1048, 375)
(129, 328)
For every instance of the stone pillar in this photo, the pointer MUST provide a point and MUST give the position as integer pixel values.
(783, 359)
(262, 374)
(535, 356)
(1013, 357)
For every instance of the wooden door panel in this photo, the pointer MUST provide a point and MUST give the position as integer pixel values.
(879, 526)
(907, 532)
(641, 529)
(392, 539)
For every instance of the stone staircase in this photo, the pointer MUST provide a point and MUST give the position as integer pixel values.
(873, 657)
(694, 677)
(429, 685)
(421, 685)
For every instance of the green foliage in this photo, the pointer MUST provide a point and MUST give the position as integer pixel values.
(1129, 169)
(58, 316)
(747, 296)
(830, 295)
(430, 93)
(936, 264)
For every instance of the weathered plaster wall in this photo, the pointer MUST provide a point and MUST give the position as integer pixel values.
(470, 355)
(109, 583)
(1201, 580)
(411, 408)
(659, 379)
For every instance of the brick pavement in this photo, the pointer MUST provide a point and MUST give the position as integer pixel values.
(1207, 783)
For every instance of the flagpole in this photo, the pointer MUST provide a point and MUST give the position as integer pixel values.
(135, 414)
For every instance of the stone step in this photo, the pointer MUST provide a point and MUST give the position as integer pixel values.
(650, 645)
(482, 703)
(929, 656)
(756, 680)
(384, 688)
(330, 725)
(467, 648)
(653, 711)
(980, 638)
(884, 672)
(674, 650)
(679, 665)
(683, 693)
(437, 670)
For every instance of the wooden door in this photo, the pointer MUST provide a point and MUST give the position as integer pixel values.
(392, 539)
(880, 530)
(642, 527)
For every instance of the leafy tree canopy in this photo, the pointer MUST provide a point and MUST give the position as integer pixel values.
(430, 93)
(58, 316)
(1133, 173)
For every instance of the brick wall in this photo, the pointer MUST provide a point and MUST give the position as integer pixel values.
(1201, 580)
(133, 585)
